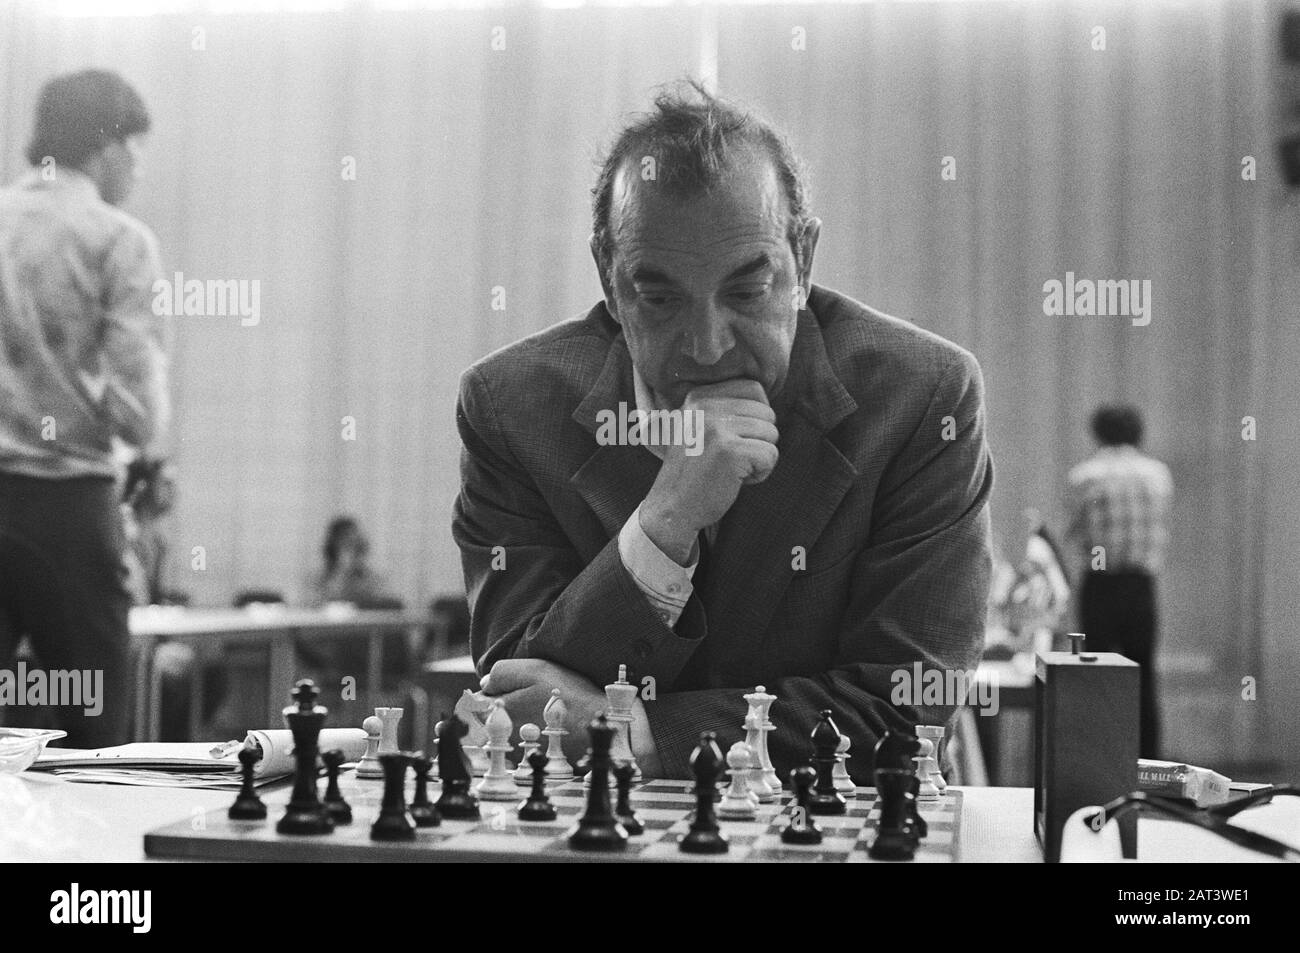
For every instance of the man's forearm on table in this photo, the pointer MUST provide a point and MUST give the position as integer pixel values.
(600, 620)
(676, 719)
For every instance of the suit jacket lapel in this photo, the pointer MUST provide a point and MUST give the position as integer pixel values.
(751, 560)
(615, 478)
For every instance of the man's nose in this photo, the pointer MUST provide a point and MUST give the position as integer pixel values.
(708, 336)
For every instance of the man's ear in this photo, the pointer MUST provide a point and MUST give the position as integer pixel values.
(606, 282)
(807, 248)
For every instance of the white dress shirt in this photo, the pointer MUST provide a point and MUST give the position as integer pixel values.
(666, 583)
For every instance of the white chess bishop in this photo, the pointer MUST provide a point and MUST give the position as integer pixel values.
(498, 782)
(557, 765)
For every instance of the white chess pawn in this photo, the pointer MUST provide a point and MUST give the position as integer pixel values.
(935, 734)
(498, 782)
(925, 767)
(840, 773)
(557, 765)
(738, 802)
(529, 736)
(368, 766)
(758, 785)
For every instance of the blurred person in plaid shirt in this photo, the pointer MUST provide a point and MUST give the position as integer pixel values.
(1119, 501)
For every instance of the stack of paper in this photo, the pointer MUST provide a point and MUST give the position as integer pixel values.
(191, 764)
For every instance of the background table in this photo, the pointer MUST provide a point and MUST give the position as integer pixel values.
(278, 628)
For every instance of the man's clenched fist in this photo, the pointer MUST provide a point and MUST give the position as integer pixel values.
(738, 448)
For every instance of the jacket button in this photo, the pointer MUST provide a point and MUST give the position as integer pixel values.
(642, 649)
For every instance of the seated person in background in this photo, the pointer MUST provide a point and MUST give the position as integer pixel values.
(828, 528)
(347, 576)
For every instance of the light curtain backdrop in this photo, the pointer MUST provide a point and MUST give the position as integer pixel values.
(473, 168)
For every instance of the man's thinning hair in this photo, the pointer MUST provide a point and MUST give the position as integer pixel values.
(78, 114)
(693, 136)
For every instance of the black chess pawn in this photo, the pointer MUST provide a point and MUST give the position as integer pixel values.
(423, 811)
(537, 806)
(338, 809)
(454, 772)
(896, 833)
(704, 836)
(598, 829)
(826, 739)
(394, 821)
(624, 772)
(802, 829)
(305, 814)
(248, 806)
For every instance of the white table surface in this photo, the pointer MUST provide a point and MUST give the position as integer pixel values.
(43, 818)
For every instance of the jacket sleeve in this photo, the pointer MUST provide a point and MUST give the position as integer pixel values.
(919, 595)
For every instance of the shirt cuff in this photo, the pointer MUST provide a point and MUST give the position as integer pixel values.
(665, 584)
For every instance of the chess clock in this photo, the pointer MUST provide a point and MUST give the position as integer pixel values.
(1086, 720)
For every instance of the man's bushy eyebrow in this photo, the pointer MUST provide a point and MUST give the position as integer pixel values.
(655, 276)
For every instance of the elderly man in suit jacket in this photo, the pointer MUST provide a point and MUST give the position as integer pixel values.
(820, 528)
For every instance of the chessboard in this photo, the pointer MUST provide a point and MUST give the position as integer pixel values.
(664, 807)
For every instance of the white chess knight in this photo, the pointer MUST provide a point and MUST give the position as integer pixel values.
(738, 801)
(557, 765)
(760, 703)
(498, 782)
(468, 709)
